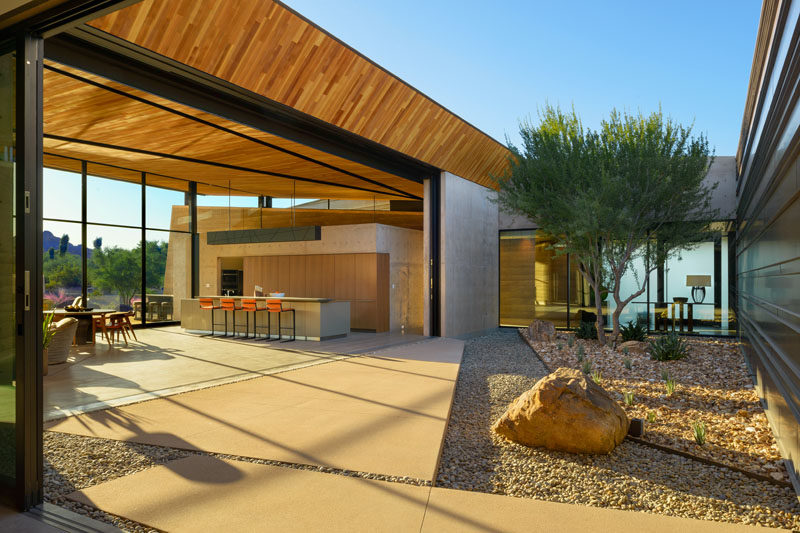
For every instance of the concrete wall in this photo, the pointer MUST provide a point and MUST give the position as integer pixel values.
(469, 257)
(404, 247)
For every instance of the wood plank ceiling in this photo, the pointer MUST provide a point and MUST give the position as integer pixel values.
(266, 48)
(117, 127)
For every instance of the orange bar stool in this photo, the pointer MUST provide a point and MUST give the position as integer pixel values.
(229, 304)
(276, 306)
(208, 304)
(250, 305)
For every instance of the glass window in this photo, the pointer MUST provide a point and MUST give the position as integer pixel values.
(62, 264)
(516, 278)
(550, 280)
(61, 195)
(115, 267)
(167, 277)
(110, 201)
(166, 209)
(8, 333)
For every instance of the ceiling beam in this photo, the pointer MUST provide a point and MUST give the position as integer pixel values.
(219, 165)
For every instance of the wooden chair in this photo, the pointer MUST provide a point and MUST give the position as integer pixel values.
(128, 326)
(114, 325)
(275, 305)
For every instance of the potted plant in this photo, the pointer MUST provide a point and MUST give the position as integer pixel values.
(47, 336)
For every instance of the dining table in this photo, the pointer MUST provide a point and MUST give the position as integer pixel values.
(86, 331)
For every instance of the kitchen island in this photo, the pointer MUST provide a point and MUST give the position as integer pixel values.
(318, 319)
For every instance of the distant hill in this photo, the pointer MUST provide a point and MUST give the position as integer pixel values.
(53, 241)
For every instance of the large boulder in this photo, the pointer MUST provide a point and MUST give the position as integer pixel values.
(542, 330)
(633, 347)
(565, 411)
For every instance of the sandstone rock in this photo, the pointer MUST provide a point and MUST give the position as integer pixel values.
(542, 330)
(634, 347)
(565, 411)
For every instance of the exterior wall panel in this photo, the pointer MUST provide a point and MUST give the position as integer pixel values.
(768, 243)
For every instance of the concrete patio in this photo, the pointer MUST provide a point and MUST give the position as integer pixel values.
(379, 415)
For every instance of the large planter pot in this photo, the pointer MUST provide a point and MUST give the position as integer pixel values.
(44, 362)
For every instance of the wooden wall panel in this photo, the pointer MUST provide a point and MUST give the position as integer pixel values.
(363, 315)
(344, 277)
(297, 276)
(287, 59)
(366, 276)
(361, 279)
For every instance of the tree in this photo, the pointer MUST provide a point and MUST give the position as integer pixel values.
(632, 189)
(52, 253)
(98, 242)
(63, 246)
(117, 269)
(61, 270)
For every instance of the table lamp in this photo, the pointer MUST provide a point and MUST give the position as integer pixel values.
(698, 285)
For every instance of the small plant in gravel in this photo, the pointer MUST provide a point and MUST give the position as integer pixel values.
(625, 351)
(633, 332)
(627, 362)
(699, 431)
(570, 341)
(581, 353)
(597, 377)
(665, 375)
(651, 417)
(627, 398)
(587, 367)
(559, 346)
(670, 384)
(668, 348)
(587, 330)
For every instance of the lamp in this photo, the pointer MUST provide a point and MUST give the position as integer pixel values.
(698, 285)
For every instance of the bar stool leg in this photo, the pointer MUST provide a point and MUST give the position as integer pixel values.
(293, 326)
(268, 336)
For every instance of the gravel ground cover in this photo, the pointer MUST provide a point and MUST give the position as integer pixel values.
(497, 368)
(712, 386)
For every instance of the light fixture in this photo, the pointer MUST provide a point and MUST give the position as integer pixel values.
(244, 236)
(698, 283)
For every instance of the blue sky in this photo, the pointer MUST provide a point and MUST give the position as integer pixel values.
(493, 63)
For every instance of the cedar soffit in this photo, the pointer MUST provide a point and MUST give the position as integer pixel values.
(266, 48)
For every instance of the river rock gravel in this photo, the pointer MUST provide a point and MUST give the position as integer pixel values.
(498, 367)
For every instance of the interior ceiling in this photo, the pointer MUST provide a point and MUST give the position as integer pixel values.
(266, 48)
(123, 130)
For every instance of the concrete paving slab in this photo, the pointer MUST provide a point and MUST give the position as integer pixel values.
(463, 511)
(367, 413)
(441, 350)
(207, 494)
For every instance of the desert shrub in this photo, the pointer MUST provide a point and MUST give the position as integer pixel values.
(699, 431)
(633, 332)
(587, 330)
(668, 348)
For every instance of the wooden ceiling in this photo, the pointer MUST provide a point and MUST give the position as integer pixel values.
(123, 130)
(266, 48)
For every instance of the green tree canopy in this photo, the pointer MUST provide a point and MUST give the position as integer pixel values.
(63, 246)
(633, 188)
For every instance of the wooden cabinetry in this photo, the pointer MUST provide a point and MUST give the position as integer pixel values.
(361, 279)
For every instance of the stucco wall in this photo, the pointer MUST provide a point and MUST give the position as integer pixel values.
(469, 257)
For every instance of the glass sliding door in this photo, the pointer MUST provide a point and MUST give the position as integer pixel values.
(7, 269)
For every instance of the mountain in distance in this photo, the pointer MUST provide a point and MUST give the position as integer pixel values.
(53, 241)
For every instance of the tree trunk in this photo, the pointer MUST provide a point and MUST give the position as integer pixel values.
(601, 332)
